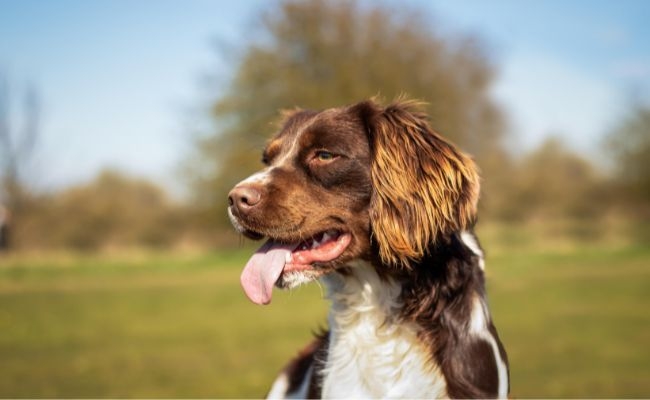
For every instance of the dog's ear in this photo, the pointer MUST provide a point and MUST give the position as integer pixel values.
(423, 187)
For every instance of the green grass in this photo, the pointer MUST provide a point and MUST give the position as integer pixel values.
(575, 324)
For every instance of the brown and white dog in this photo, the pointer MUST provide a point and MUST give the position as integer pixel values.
(380, 208)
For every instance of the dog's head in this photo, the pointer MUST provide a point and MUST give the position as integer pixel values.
(346, 183)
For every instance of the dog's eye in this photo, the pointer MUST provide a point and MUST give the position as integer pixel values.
(324, 156)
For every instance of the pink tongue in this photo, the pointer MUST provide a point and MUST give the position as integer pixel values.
(263, 269)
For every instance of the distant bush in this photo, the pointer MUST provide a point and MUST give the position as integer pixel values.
(112, 210)
(554, 182)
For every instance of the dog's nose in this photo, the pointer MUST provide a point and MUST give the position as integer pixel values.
(244, 197)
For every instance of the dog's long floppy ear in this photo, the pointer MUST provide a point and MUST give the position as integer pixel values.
(423, 187)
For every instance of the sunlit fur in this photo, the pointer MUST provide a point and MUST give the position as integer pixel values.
(423, 186)
(409, 315)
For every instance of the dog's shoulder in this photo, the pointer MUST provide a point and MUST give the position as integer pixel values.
(299, 378)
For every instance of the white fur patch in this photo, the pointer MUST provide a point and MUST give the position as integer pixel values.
(478, 326)
(262, 177)
(294, 279)
(235, 221)
(371, 354)
(281, 385)
(478, 319)
(472, 244)
(279, 388)
(295, 146)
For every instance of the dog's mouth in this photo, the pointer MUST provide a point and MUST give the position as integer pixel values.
(276, 257)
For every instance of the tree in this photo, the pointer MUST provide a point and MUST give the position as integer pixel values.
(629, 144)
(319, 54)
(16, 147)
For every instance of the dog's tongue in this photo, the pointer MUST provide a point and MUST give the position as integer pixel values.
(263, 269)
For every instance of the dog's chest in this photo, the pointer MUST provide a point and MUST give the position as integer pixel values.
(372, 354)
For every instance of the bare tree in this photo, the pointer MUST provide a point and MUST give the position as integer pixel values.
(17, 144)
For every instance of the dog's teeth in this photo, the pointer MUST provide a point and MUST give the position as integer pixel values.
(326, 237)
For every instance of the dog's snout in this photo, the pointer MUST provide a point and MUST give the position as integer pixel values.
(244, 197)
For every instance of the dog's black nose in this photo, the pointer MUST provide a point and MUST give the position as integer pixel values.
(244, 197)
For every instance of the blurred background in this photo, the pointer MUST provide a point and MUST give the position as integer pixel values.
(124, 124)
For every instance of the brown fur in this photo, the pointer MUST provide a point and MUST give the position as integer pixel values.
(406, 196)
(424, 187)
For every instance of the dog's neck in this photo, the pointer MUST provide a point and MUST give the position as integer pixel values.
(396, 334)
(373, 352)
(359, 290)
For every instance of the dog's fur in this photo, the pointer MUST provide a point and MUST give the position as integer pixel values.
(409, 315)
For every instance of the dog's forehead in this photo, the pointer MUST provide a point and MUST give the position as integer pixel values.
(292, 128)
(308, 128)
(297, 123)
(296, 129)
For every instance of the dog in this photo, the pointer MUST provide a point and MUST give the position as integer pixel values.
(372, 202)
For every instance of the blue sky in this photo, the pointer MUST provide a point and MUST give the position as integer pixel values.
(120, 81)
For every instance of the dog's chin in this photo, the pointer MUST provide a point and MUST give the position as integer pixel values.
(252, 234)
(293, 279)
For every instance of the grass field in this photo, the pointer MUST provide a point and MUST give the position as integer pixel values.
(575, 324)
